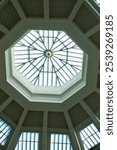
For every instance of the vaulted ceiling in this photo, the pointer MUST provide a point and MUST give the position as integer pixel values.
(81, 20)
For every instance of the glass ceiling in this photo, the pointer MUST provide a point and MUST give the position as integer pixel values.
(48, 58)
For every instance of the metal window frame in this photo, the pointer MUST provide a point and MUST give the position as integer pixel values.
(69, 58)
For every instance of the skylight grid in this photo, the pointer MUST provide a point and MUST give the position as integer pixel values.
(60, 142)
(28, 141)
(4, 132)
(89, 136)
(42, 56)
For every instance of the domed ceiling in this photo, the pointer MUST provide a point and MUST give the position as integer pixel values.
(50, 109)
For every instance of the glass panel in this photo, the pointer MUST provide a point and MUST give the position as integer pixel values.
(87, 144)
(89, 136)
(60, 142)
(4, 132)
(28, 141)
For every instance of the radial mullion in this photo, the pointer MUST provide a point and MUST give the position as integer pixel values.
(44, 39)
(63, 58)
(57, 78)
(37, 75)
(27, 72)
(41, 37)
(34, 66)
(53, 71)
(42, 49)
(36, 79)
(30, 44)
(56, 37)
(64, 71)
(69, 69)
(39, 50)
(47, 71)
(61, 73)
(43, 76)
(23, 43)
(75, 57)
(48, 40)
(21, 66)
(34, 35)
(54, 41)
(61, 43)
(27, 40)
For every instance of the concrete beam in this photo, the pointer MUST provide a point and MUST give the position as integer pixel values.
(15, 136)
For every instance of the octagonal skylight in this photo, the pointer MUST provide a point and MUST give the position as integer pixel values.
(46, 66)
(47, 58)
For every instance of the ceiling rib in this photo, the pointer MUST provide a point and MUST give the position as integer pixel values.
(5, 104)
(91, 114)
(44, 134)
(15, 136)
(18, 9)
(3, 29)
(75, 9)
(72, 132)
(94, 11)
(92, 30)
(46, 9)
(79, 138)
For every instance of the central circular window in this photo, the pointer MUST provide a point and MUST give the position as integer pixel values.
(47, 58)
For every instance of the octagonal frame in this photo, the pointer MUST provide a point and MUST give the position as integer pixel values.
(77, 36)
(42, 94)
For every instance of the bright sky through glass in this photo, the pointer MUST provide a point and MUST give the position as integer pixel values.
(4, 132)
(90, 136)
(28, 141)
(48, 58)
(60, 142)
(97, 2)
